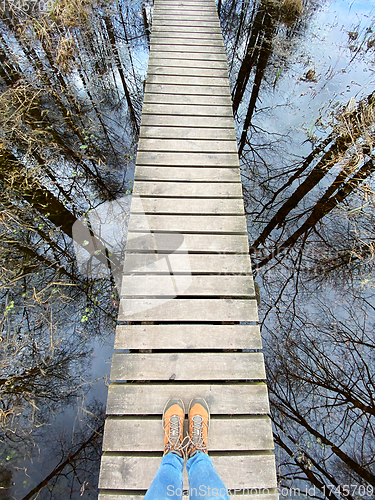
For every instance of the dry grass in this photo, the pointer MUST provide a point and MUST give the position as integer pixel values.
(71, 13)
(290, 11)
(65, 55)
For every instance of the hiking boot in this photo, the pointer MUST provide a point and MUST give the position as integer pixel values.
(199, 421)
(173, 422)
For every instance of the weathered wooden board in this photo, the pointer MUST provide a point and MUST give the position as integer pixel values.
(188, 145)
(187, 174)
(223, 122)
(187, 99)
(206, 206)
(187, 285)
(186, 63)
(189, 263)
(195, 133)
(187, 159)
(188, 30)
(187, 17)
(187, 72)
(187, 56)
(188, 310)
(188, 90)
(223, 399)
(188, 366)
(137, 472)
(127, 435)
(186, 109)
(188, 337)
(206, 40)
(228, 224)
(188, 189)
(180, 15)
(214, 52)
(172, 242)
(187, 23)
(189, 80)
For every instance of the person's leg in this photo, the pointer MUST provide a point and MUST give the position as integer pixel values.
(204, 481)
(167, 484)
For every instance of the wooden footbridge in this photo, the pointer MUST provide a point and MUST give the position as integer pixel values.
(188, 319)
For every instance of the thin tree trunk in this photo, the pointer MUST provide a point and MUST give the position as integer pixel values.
(112, 40)
(252, 52)
(56, 471)
(325, 205)
(264, 54)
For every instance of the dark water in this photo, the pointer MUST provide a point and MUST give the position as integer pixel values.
(301, 77)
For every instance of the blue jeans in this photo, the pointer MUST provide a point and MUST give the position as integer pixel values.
(204, 482)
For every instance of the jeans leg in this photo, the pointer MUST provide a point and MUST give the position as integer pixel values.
(167, 484)
(204, 481)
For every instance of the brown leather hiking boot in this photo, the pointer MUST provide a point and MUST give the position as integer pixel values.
(199, 421)
(173, 422)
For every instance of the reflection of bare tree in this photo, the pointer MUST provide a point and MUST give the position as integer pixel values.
(255, 26)
(320, 371)
(79, 462)
(350, 149)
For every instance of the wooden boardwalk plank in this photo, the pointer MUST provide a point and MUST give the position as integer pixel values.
(125, 435)
(189, 80)
(184, 99)
(189, 133)
(222, 122)
(223, 399)
(172, 242)
(187, 285)
(186, 174)
(187, 72)
(188, 159)
(194, 133)
(188, 366)
(188, 337)
(178, 39)
(188, 90)
(206, 206)
(180, 15)
(137, 472)
(188, 189)
(188, 30)
(186, 63)
(228, 224)
(188, 263)
(188, 310)
(191, 23)
(186, 109)
(202, 56)
(188, 145)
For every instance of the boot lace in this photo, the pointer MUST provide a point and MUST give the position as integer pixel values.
(196, 442)
(173, 436)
